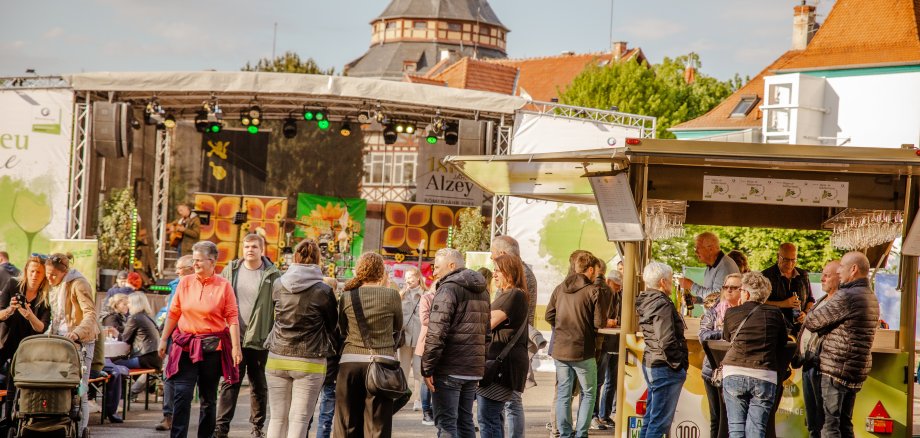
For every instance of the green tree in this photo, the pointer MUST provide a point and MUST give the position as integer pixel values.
(472, 233)
(316, 161)
(658, 90)
(115, 230)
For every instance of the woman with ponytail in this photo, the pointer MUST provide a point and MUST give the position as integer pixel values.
(359, 414)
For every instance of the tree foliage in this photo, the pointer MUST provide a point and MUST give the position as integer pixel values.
(289, 62)
(115, 230)
(658, 90)
(472, 233)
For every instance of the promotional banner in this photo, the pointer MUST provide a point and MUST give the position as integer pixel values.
(438, 183)
(235, 161)
(85, 253)
(325, 218)
(407, 227)
(35, 142)
(397, 271)
(264, 215)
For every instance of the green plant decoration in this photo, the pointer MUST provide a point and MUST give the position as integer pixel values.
(115, 230)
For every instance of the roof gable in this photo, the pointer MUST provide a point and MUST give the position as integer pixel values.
(466, 10)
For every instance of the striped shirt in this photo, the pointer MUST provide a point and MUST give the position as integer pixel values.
(383, 311)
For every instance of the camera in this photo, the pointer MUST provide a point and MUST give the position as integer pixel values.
(20, 298)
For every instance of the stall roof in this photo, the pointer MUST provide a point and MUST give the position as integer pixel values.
(283, 92)
(559, 176)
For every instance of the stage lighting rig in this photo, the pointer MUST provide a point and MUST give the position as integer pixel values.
(431, 135)
(345, 130)
(201, 121)
(451, 133)
(289, 129)
(170, 121)
(389, 134)
(153, 112)
(215, 127)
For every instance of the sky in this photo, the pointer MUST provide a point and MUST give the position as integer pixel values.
(737, 36)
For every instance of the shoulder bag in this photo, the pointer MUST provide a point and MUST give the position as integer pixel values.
(493, 371)
(717, 373)
(384, 377)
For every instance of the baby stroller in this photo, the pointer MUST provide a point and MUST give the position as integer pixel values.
(46, 371)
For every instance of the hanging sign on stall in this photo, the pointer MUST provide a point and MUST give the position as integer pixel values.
(438, 183)
(775, 191)
(617, 207)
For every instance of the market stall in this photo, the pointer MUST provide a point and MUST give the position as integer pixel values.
(649, 185)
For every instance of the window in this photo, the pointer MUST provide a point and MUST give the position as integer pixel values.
(744, 106)
(420, 25)
(389, 168)
(391, 25)
(454, 27)
(484, 30)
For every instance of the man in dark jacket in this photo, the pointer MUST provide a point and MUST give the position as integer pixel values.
(454, 359)
(848, 323)
(809, 349)
(791, 289)
(665, 359)
(575, 311)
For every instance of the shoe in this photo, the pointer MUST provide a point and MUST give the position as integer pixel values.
(257, 433)
(417, 406)
(427, 420)
(165, 424)
(597, 425)
(606, 421)
(115, 419)
(93, 406)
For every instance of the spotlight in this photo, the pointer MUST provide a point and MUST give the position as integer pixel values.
(153, 112)
(400, 128)
(255, 112)
(308, 115)
(431, 136)
(215, 127)
(389, 134)
(323, 124)
(253, 129)
(345, 130)
(170, 121)
(289, 130)
(410, 128)
(320, 115)
(451, 133)
(201, 121)
(245, 120)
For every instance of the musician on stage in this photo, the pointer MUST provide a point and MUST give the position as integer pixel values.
(184, 231)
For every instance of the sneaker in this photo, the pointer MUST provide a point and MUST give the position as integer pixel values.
(93, 406)
(607, 422)
(427, 420)
(257, 433)
(597, 425)
(417, 406)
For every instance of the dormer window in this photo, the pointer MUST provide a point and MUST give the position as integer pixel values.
(410, 66)
(744, 106)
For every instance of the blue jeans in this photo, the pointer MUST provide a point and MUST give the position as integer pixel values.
(425, 396)
(838, 408)
(452, 401)
(490, 418)
(814, 403)
(664, 385)
(169, 392)
(585, 372)
(514, 415)
(326, 412)
(206, 375)
(748, 403)
(606, 403)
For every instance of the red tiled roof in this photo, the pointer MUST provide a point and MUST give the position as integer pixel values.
(863, 33)
(474, 74)
(416, 79)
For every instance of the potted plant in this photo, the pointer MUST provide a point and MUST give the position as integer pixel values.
(115, 235)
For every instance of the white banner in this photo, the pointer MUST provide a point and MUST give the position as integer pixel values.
(776, 191)
(35, 141)
(536, 133)
(438, 183)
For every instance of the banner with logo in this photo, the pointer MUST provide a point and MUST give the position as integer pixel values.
(35, 142)
(331, 219)
(235, 161)
(85, 253)
(438, 183)
(264, 215)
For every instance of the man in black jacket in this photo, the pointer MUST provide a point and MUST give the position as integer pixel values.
(791, 289)
(848, 323)
(575, 311)
(455, 348)
(665, 359)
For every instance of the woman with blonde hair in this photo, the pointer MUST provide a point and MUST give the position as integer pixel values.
(369, 316)
(141, 333)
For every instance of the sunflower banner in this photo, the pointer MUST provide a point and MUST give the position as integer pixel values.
(330, 219)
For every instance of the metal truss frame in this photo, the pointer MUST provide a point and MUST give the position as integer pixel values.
(646, 124)
(161, 195)
(26, 82)
(500, 202)
(79, 170)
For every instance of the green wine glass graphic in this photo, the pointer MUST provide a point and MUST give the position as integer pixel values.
(31, 214)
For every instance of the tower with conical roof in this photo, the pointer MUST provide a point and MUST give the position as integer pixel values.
(411, 36)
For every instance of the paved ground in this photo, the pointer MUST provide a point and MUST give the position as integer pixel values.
(406, 423)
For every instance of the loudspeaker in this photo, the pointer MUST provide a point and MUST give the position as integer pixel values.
(111, 133)
(472, 137)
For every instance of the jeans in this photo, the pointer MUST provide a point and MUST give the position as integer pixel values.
(254, 363)
(205, 375)
(113, 388)
(87, 357)
(169, 393)
(838, 408)
(713, 396)
(585, 372)
(326, 411)
(514, 415)
(606, 402)
(814, 402)
(490, 417)
(664, 385)
(425, 395)
(292, 396)
(452, 401)
(748, 403)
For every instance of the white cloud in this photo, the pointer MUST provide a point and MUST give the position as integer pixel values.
(54, 32)
(650, 29)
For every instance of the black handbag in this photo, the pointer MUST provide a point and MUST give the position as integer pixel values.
(716, 380)
(493, 371)
(384, 377)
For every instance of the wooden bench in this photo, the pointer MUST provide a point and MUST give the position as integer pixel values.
(100, 383)
(151, 373)
(2, 394)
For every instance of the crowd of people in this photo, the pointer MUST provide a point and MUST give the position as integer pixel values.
(303, 340)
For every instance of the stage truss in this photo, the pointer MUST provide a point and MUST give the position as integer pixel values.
(79, 170)
(161, 196)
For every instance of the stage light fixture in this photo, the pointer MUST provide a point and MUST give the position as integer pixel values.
(289, 130)
(320, 115)
(245, 120)
(215, 127)
(323, 124)
(201, 121)
(169, 121)
(253, 129)
(153, 112)
(308, 114)
(345, 130)
(389, 134)
(400, 128)
(431, 136)
(410, 128)
(451, 133)
(255, 112)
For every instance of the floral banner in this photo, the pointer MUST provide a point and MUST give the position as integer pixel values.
(330, 219)
(264, 215)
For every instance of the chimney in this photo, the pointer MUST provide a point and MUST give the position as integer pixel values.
(618, 49)
(803, 25)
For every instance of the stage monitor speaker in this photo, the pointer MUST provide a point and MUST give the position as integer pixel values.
(111, 133)
(472, 137)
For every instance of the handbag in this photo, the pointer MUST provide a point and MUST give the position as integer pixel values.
(401, 336)
(716, 380)
(493, 372)
(384, 377)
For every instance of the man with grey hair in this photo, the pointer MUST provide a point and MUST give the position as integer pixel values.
(790, 287)
(454, 358)
(848, 323)
(665, 360)
(718, 265)
(514, 408)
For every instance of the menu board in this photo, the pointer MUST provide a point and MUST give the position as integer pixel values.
(618, 208)
(775, 191)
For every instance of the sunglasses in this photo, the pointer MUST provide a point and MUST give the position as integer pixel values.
(38, 257)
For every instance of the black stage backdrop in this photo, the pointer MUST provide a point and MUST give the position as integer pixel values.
(235, 162)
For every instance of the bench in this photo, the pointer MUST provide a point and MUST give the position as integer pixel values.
(2, 394)
(134, 374)
(100, 383)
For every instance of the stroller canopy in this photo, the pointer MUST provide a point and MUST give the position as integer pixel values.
(44, 360)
